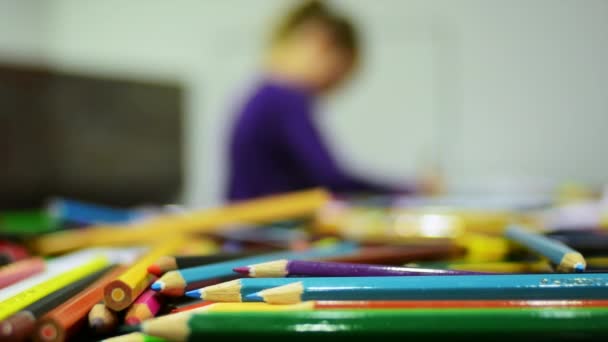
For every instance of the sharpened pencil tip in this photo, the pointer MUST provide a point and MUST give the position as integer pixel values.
(579, 267)
(155, 269)
(157, 286)
(254, 297)
(242, 270)
(96, 323)
(194, 294)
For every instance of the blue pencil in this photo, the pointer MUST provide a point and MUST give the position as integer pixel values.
(566, 258)
(173, 283)
(85, 213)
(503, 286)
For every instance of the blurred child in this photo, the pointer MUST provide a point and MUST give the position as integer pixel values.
(274, 143)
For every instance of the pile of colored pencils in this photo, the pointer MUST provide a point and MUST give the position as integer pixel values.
(519, 282)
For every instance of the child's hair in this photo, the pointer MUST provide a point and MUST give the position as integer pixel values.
(341, 28)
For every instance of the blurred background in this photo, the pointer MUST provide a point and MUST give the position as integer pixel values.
(128, 102)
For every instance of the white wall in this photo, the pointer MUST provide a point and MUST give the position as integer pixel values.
(23, 26)
(495, 90)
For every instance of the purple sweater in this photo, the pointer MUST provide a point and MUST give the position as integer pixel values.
(275, 148)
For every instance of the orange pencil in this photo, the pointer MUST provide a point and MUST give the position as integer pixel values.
(12, 273)
(122, 291)
(65, 320)
(147, 305)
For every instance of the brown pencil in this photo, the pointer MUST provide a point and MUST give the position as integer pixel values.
(392, 255)
(62, 322)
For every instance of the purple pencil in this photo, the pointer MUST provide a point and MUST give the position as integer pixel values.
(286, 268)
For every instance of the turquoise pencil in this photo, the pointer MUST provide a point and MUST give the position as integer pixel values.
(566, 258)
(173, 283)
(465, 287)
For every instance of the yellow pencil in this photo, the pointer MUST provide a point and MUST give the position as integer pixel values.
(261, 210)
(27, 297)
(120, 293)
(503, 267)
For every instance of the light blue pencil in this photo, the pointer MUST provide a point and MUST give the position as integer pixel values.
(566, 259)
(173, 283)
(500, 286)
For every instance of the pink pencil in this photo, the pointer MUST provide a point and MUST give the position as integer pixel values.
(146, 306)
(20, 270)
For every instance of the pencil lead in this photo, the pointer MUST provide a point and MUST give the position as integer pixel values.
(194, 294)
(242, 270)
(254, 297)
(579, 267)
(157, 286)
(155, 269)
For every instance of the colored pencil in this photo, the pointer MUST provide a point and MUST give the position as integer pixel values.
(541, 266)
(102, 319)
(20, 326)
(15, 272)
(82, 213)
(54, 267)
(391, 304)
(135, 337)
(566, 259)
(286, 268)
(262, 210)
(332, 325)
(11, 252)
(503, 286)
(392, 255)
(147, 305)
(65, 320)
(170, 263)
(29, 296)
(122, 291)
(174, 282)
(27, 223)
(190, 307)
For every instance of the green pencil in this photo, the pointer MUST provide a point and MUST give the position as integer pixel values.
(134, 337)
(27, 222)
(331, 324)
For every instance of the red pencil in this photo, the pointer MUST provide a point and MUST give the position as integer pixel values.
(11, 252)
(20, 270)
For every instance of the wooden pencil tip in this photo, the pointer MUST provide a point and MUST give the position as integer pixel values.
(242, 270)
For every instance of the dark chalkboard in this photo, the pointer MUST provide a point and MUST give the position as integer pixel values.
(113, 141)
